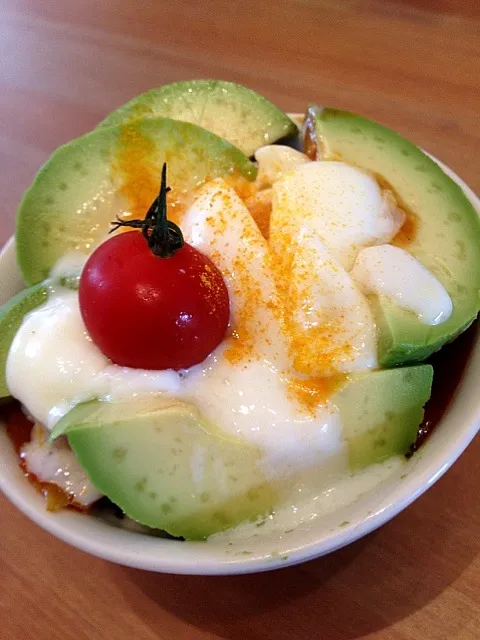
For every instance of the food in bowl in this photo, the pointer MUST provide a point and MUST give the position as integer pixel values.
(253, 334)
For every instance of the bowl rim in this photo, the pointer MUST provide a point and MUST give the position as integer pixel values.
(189, 560)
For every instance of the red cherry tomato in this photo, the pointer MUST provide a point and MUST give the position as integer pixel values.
(148, 312)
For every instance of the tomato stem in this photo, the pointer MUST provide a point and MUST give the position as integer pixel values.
(164, 237)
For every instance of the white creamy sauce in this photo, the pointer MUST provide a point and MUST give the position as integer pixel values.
(52, 360)
(219, 225)
(252, 401)
(324, 215)
(343, 205)
(393, 272)
(53, 364)
(331, 319)
(276, 160)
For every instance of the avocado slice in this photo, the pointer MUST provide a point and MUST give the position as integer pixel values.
(236, 113)
(109, 171)
(442, 229)
(381, 412)
(11, 317)
(166, 467)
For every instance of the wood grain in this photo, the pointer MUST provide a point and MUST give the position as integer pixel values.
(414, 66)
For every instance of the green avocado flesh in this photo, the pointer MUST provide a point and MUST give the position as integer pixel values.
(241, 116)
(88, 182)
(381, 412)
(166, 467)
(11, 316)
(444, 234)
(169, 469)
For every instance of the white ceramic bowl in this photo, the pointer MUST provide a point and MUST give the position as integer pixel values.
(262, 552)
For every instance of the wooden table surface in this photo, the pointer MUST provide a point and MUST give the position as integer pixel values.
(412, 65)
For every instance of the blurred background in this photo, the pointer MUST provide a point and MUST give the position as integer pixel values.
(413, 65)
